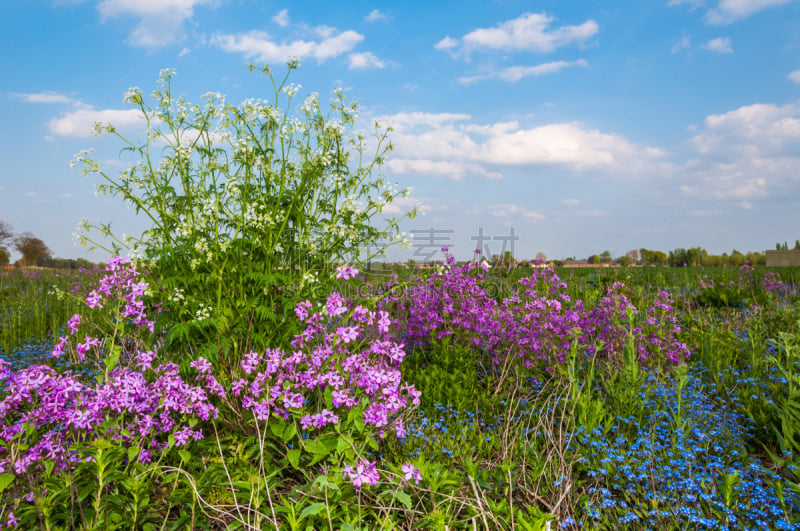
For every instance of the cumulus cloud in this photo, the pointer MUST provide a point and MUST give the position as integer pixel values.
(794, 76)
(530, 32)
(160, 21)
(720, 45)
(746, 154)
(43, 97)
(281, 18)
(376, 15)
(728, 11)
(80, 122)
(259, 46)
(365, 60)
(452, 146)
(515, 73)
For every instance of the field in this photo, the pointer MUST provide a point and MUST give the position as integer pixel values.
(624, 398)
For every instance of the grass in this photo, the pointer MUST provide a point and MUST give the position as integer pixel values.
(709, 445)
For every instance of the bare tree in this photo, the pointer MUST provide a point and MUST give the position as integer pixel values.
(634, 254)
(5, 233)
(33, 249)
(541, 256)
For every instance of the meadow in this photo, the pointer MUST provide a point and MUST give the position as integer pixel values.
(245, 370)
(638, 398)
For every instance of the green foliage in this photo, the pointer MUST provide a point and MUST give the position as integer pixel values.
(249, 207)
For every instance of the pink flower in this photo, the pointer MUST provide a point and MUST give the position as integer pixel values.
(201, 364)
(302, 309)
(346, 272)
(363, 473)
(73, 323)
(411, 472)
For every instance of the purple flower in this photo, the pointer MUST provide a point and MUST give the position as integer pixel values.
(363, 473)
(201, 364)
(346, 272)
(73, 323)
(411, 472)
(302, 309)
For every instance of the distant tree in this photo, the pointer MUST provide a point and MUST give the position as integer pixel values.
(797, 245)
(624, 260)
(634, 255)
(736, 258)
(778, 246)
(652, 257)
(33, 249)
(6, 232)
(695, 256)
(5, 236)
(605, 257)
(541, 256)
(594, 259)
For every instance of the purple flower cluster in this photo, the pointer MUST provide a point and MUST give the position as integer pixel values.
(139, 408)
(344, 356)
(119, 286)
(538, 323)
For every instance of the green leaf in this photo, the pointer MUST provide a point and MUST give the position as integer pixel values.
(312, 510)
(294, 457)
(403, 498)
(277, 426)
(112, 359)
(186, 456)
(5, 481)
(133, 452)
(289, 433)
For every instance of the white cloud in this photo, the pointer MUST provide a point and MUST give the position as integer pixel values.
(570, 202)
(506, 210)
(451, 169)
(745, 154)
(446, 44)
(731, 10)
(365, 60)
(185, 51)
(281, 18)
(80, 122)
(376, 15)
(515, 73)
(160, 21)
(259, 46)
(794, 76)
(683, 44)
(720, 45)
(450, 145)
(728, 11)
(44, 97)
(529, 32)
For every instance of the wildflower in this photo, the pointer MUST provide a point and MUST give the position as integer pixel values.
(363, 473)
(411, 472)
(346, 272)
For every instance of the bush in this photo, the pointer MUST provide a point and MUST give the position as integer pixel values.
(250, 205)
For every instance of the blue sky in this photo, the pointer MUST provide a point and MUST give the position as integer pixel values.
(581, 125)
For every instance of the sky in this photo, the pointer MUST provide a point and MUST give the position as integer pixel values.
(561, 127)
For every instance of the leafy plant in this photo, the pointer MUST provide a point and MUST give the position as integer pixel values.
(250, 205)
